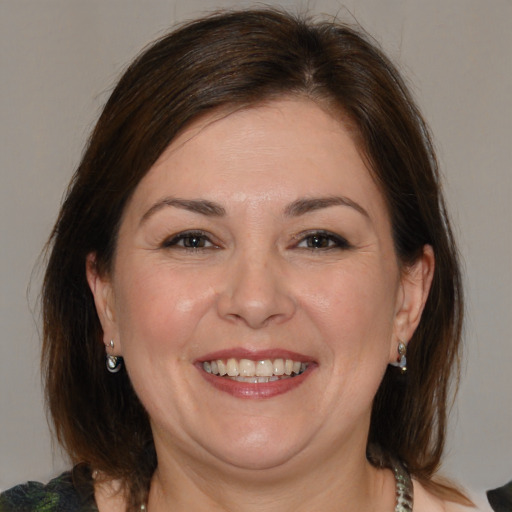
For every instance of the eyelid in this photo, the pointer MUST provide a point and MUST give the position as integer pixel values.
(173, 240)
(340, 242)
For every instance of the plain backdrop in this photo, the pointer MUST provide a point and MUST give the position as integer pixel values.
(60, 58)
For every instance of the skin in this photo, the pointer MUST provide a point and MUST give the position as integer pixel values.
(261, 281)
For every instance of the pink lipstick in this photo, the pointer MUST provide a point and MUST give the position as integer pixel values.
(255, 374)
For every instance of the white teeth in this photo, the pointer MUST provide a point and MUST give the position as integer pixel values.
(278, 367)
(255, 380)
(221, 367)
(264, 368)
(247, 370)
(232, 367)
(252, 380)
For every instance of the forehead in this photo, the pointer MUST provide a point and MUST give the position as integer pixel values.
(278, 151)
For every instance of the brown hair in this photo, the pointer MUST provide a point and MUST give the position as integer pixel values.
(233, 60)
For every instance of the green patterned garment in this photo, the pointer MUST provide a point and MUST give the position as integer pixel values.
(62, 494)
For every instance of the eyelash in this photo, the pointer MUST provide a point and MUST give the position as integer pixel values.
(180, 241)
(320, 237)
(317, 240)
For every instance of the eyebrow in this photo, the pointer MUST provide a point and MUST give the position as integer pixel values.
(294, 209)
(201, 206)
(306, 205)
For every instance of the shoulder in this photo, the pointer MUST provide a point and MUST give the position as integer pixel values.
(59, 495)
(425, 501)
(501, 498)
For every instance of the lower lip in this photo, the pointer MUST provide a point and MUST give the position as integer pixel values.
(255, 390)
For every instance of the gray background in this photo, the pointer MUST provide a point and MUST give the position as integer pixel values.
(58, 62)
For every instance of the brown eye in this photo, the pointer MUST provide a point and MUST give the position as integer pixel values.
(189, 240)
(194, 241)
(320, 240)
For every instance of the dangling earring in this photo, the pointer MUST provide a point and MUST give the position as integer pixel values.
(114, 363)
(401, 360)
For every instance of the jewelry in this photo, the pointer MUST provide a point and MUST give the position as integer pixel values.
(401, 361)
(114, 363)
(403, 489)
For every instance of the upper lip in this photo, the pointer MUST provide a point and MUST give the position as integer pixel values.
(255, 355)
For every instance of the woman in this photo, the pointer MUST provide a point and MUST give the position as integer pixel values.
(256, 244)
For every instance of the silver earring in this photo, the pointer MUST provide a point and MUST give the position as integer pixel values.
(114, 363)
(401, 360)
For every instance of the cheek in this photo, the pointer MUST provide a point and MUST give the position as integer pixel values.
(354, 308)
(159, 309)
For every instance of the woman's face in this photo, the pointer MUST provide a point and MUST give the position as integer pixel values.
(256, 296)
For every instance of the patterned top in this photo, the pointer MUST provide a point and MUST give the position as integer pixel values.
(69, 492)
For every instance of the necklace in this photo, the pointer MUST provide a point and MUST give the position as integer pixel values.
(403, 489)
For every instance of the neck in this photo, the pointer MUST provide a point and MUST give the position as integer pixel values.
(299, 485)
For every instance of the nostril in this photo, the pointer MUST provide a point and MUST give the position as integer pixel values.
(256, 306)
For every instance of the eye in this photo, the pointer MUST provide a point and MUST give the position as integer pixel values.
(322, 240)
(191, 240)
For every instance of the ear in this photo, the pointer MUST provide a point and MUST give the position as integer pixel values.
(415, 285)
(103, 293)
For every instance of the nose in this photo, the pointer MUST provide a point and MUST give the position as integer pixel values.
(256, 292)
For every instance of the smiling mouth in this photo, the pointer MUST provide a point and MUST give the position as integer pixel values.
(255, 371)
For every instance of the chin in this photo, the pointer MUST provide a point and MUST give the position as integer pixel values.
(262, 447)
